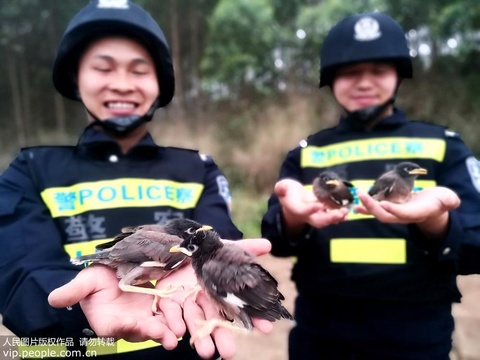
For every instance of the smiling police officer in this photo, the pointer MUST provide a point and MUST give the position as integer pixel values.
(60, 201)
(378, 282)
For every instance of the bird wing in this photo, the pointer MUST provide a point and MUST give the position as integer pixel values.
(234, 278)
(145, 245)
(342, 196)
(383, 185)
(116, 239)
(127, 231)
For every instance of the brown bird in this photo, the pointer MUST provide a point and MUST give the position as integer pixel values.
(240, 287)
(142, 254)
(397, 185)
(332, 191)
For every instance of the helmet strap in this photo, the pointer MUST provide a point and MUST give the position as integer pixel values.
(368, 117)
(123, 125)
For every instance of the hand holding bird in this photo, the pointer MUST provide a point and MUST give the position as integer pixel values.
(300, 207)
(427, 208)
(112, 312)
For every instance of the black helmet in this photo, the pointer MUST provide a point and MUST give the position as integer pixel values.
(364, 37)
(112, 17)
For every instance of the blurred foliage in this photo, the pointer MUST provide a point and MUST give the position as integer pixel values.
(241, 43)
(247, 212)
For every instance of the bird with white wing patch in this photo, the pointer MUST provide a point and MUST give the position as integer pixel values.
(240, 287)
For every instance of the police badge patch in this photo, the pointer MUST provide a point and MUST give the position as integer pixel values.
(367, 29)
(113, 4)
(473, 167)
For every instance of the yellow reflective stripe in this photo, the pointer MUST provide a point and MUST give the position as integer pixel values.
(373, 149)
(83, 248)
(61, 350)
(125, 346)
(119, 193)
(365, 185)
(121, 346)
(371, 251)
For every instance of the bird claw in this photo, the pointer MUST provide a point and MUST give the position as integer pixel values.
(195, 291)
(164, 293)
(207, 327)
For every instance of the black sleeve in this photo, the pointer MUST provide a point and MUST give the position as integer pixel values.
(461, 172)
(272, 224)
(32, 260)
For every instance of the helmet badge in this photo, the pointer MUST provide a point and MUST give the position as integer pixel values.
(367, 29)
(113, 4)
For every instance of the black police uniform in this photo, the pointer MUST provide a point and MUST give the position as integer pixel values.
(369, 290)
(58, 202)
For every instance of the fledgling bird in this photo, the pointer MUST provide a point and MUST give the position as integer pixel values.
(332, 191)
(397, 185)
(142, 254)
(240, 287)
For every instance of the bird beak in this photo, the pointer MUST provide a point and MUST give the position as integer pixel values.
(204, 228)
(332, 182)
(177, 249)
(419, 171)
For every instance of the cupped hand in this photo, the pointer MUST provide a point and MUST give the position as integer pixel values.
(114, 313)
(301, 207)
(425, 205)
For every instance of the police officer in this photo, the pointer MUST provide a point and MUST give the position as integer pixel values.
(376, 281)
(60, 201)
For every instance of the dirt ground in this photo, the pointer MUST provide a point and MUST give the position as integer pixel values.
(274, 345)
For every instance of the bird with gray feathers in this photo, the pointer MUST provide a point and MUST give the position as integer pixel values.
(332, 191)
(397, 185)
(141, 254)
(240, 287)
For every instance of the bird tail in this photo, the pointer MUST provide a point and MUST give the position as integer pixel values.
(79, 260)
(284, 313)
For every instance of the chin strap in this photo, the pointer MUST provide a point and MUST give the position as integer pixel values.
(123, 125)
(368, 117)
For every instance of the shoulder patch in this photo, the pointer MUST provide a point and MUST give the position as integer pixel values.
(473, 167)
(224, 190)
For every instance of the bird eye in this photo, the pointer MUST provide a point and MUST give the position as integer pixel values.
(192, 248)
(190, 231)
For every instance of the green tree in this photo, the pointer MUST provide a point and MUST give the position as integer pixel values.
(240, 53)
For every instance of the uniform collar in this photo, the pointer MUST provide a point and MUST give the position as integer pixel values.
(396, 119)
(101, 146)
